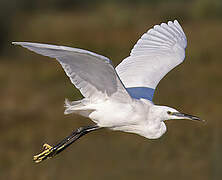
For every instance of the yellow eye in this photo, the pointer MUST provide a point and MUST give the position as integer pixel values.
(170, 113)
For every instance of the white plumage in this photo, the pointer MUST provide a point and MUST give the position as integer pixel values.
(157, 52)
(121, 98)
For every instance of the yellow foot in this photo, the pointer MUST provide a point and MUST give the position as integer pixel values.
(46, 146)
(40, 157)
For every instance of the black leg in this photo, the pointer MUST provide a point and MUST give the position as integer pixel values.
(50, 151)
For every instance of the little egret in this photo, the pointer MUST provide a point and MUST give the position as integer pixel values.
(119, 98)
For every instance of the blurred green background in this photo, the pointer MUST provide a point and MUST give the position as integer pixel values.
(33, 89)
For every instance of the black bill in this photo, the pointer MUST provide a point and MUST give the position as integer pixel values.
(187, 116)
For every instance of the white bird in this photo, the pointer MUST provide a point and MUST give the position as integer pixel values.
(120, 98)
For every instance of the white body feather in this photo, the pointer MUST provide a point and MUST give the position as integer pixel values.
(121, 99)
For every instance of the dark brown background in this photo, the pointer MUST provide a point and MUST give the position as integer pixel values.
(33, 89)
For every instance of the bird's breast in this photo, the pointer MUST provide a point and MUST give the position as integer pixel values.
(155, 131)
(115, 114)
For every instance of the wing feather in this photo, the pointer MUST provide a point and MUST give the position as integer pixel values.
(91, 73)
(157, 52)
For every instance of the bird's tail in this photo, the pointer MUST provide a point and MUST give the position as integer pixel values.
(78, 107)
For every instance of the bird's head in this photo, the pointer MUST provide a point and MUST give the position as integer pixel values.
(164, 113)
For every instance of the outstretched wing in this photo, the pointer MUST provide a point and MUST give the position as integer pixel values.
(91, 73)
(157, 52)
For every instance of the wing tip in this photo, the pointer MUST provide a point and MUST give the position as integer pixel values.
(21, 43)
(15, 43)
(175, 21)
(169, 33)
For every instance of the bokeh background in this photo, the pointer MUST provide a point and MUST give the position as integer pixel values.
(33, 88)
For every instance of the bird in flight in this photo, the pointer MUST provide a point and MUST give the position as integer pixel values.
(119, 98)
